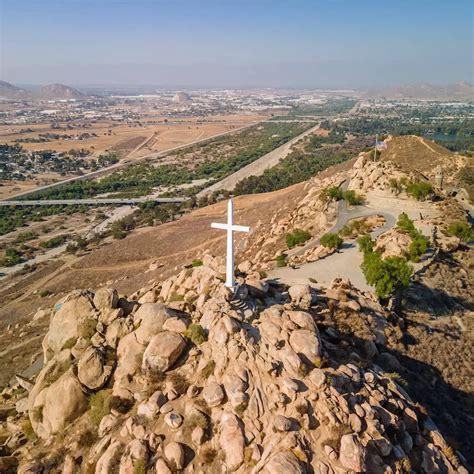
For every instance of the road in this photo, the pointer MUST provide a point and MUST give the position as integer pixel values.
(92, 202)
(257, 167)
(345, 263)
(123, 163)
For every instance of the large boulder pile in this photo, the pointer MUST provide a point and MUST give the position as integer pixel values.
(187, 376)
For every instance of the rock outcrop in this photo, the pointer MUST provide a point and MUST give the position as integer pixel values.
(268, 386)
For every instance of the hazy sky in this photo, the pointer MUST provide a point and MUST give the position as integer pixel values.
(296, 43)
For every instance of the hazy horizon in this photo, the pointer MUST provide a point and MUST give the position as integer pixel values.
(236, 44)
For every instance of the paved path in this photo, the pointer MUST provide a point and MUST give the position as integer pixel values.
(91, 202)
(345, 263)
(257, 167)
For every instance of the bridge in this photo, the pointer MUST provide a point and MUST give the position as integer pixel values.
(92, 202)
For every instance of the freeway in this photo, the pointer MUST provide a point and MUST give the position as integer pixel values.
(91, 202)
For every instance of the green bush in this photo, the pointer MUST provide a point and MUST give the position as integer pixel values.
(196, 333)
(420, 190)
(366, 244)
(405, 223)
(196, 262)
(281, 260)
(334, 193)
(99, 405)
(54, 242)
(331, 240)
(419, 243)
(462, 230)
(297, 237)
(352, 198)
(12, 257)
(386, 275)
(119, 234)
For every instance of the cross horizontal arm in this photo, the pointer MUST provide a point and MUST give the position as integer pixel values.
(241, 228)
(235, 228)
(219, 226)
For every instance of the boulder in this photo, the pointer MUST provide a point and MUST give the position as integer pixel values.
(301, 295)
(282, 423)
(75, 316)
(64, 401)
(129, 356)
(283, 462)
(161, 467)
(163, 351)
(91, 369)
(150, 318)
(174, 454)
(105, 299)
(109, 460)
(306, 344)
(352, 453)
(213, 394)
(232, 441)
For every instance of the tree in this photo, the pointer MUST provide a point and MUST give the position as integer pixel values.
(331, 240)
(387, 275)
(366, 244)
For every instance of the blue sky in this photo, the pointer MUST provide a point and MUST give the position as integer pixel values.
(295, 43)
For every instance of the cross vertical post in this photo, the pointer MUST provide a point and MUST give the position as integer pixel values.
(230, 228)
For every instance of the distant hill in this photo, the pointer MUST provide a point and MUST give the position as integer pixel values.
(56, 92)
(48, 92)
(457, 91)
(9, 91)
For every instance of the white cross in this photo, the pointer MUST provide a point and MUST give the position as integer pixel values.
(230, 227)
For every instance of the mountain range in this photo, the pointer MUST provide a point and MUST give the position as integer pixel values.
(48, 92)
(458, 91)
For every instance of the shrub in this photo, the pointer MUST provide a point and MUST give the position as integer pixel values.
(331, 240)
(88, 328)
(45, 293)
(99, 405)
(208, 370)
(175, 297)
(462, 230)
(240, 409)
(119, 234)
(179, 382)
(419, 243)
(281, 260)
(297, 237)
(196, 262)
(405, 223)
(352, 198)
(54, 242)
(419, 189)
(334, 193)
(387, 275)
(196, 333)
(418, 246)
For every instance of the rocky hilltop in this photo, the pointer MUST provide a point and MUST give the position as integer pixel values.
(161, 369)
(184, 375)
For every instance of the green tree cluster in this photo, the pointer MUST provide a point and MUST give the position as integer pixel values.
(387, 275)
(419, 243)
